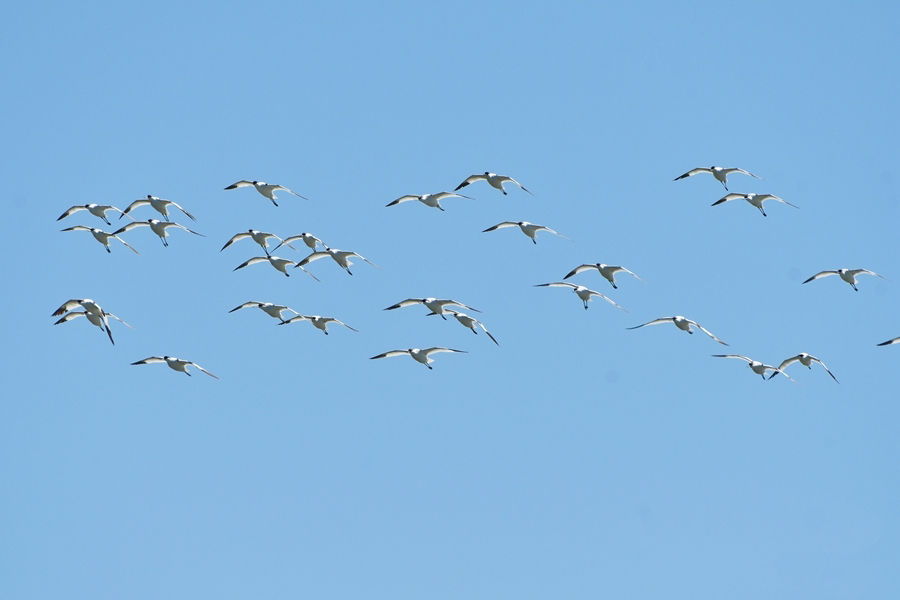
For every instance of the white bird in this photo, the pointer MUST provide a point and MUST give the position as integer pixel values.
(720, 173)
(437, 307)
(896, 340)
(177, 364)
(100, 320)
(471, 322)
(85, 303)
(682, 324)
(319, 322)
(529, 229)
(266, 189)
(341, 257)
(101, 236)
(493, 179)
(754, 199)
(260, 237)
(432, 200)
(581, 291)
(309, 239)
(757, 367)
(608, 272)
(161, 206)
(160, 228)
(421, 356)
(273, 310)
(98, 210)
(806, 360)
(277, 262)
(848, 275)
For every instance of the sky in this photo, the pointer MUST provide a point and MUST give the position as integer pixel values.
(577, 458)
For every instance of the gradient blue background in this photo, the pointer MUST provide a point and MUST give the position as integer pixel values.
(575, 460)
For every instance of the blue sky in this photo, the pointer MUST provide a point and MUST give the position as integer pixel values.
(576, 459)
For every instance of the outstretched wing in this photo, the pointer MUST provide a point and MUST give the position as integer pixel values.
(821, 275)
(501, 226)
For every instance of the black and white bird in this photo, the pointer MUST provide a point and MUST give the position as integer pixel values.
(432, 200)
(85, 303)
(260, 237)
(756, 366)
(421, 356)
(607, 271)
(309, 239)
(318, 322)
(529, 229)
(101, 236)
(896, 340)
(720, 173)
(681, 323)
(266, 189)
(98, 210)
(160, 228)
(496, 181)
(437, 307)
(754, 199)
(848, 275)
(341, 257)
(176, 364)
(100, 320)
(273, 310)
(471, 322)
(580, 291)
(804, 359)
(160, 205)
(277, 262)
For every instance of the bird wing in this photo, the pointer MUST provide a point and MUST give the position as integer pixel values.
(820, 275)
(150, 360)
(694, 172)
(896, 340)
(108, 314)
(764, 197)
(245, 305)
(202, 369)
(239, 184)
(558, 284)
(484, 329)
(501, 226)
(552, 231)
(78, 228)
(749, 360)
(183, 227)
(406, 198)
(365, 259)
(408, 302)
(71, 211)
(392, 353)
(446, 302)
(428, 351)
(131, 226)
(126, 243)
(252, 261)
(134, 205)
(786, 362)
(281, 187)
(470, 179)
(706, 331)
(72, 315)
(617, 269)
(736, 170)
(237, 237)
(67, 306)
(655, 322)
(856, 272)
(581, 269)
(504, 178)
(729, 197)
(182, 210)
(312, 257)
(593, 293)
(330, 319)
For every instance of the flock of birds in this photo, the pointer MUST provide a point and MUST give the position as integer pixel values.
(99, 317)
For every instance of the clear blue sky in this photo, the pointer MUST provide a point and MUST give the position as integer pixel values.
(577, 459)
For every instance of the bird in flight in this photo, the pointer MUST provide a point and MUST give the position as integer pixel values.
(101, 236)
(273, 310)
(176, 364)
(341, 257)
(754, 199)
(160, 228)
(161, 206)
(266, 189)
(277, 262)
(848, 275)
(421, 356)
(432, 200)
(318, 322)
(608, 272)
(806, 360)
(581, 291)
(681, 323)
(260, 237)
(496, 181)
(471, 322)
(437, 307)
(98, 210)
(756, 366)
(720, 173)
(529, 229)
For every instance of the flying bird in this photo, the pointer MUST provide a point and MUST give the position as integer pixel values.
(277, 262)
(98, 210)
(266, 189)
(317, 321)
(341, 257)
(608, 272)
(432, 200)
(529, 229)
(160, 228)
(806, 360)
(101, 236)
(174, 363)
(848, 275)
(681, 323)
(437, 307)
(720, 173)
(260, 237)
(421, 356)
(581, 291)
(496, 181)
(100, 320)
(757, 367)
(161, 206)
(754, 199)
(471, 322)
(273, 310)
